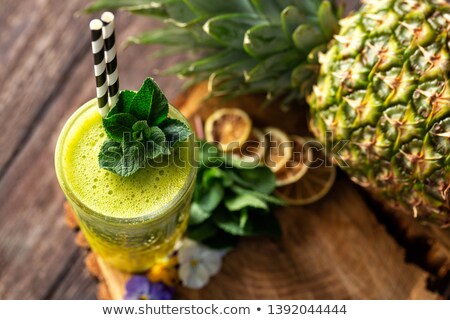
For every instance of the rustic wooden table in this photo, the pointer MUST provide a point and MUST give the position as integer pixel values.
(45, 74)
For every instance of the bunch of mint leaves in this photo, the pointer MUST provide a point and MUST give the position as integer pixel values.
(139, 130)
(232, 199)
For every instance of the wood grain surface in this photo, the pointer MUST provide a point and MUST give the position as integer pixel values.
(46, 72)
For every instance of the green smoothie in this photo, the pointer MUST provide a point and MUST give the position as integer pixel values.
(130, 221)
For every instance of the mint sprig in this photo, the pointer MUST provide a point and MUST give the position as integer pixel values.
(138, 130)
(231, 200)
(123, 158)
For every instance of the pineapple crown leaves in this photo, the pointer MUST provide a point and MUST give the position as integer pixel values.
(247, 46)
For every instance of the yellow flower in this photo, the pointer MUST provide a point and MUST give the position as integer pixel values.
(165, 271)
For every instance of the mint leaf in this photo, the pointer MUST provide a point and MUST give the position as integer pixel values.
(141, 131)
(149, 103)
(203, 231)
(123, 158)
(244, 223)
(198, 215)
(119, 124)
(243, 218)
(110, 154)
(260, 179)
(237, 162)
(211, 197)
(156, 143)
(209, 156)
(126, 98)
(160, 105)
(124, 102)
(211, 175)
(240, 201)
(230, 222)
(142, 102)
(231, 201)
(227, 181)
(175, 131)
(265, 197)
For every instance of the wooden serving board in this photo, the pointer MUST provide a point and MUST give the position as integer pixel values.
(333, 249)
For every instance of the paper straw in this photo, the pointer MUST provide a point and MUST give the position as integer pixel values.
(111, 57)
(99, 66)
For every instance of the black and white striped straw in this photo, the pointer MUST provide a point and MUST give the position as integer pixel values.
(99, 66)
(111, 57)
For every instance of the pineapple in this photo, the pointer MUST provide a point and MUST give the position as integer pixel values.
(384, 87)
(380, 83)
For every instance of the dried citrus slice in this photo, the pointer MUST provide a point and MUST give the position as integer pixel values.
(314, 184)
(297, 166)
(229, 128)
(252, 149)
(278, 149)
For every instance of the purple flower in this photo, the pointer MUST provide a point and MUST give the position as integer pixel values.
(140, 288)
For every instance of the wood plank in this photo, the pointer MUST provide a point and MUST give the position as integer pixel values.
(77, 283)
(115, 279)
(36, 58)
(32, 231)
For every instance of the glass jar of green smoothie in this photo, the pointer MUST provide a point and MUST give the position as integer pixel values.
(131, 222)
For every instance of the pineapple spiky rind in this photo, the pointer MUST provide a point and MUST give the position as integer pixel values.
(384, 87)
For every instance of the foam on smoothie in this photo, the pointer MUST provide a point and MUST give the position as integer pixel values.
(107, 193)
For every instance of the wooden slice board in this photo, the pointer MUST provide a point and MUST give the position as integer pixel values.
(334, 249)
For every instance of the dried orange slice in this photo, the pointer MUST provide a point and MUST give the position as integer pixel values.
(278, 149)
(253, 149)
(297, 166)
(229, 128)
(314, 184)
